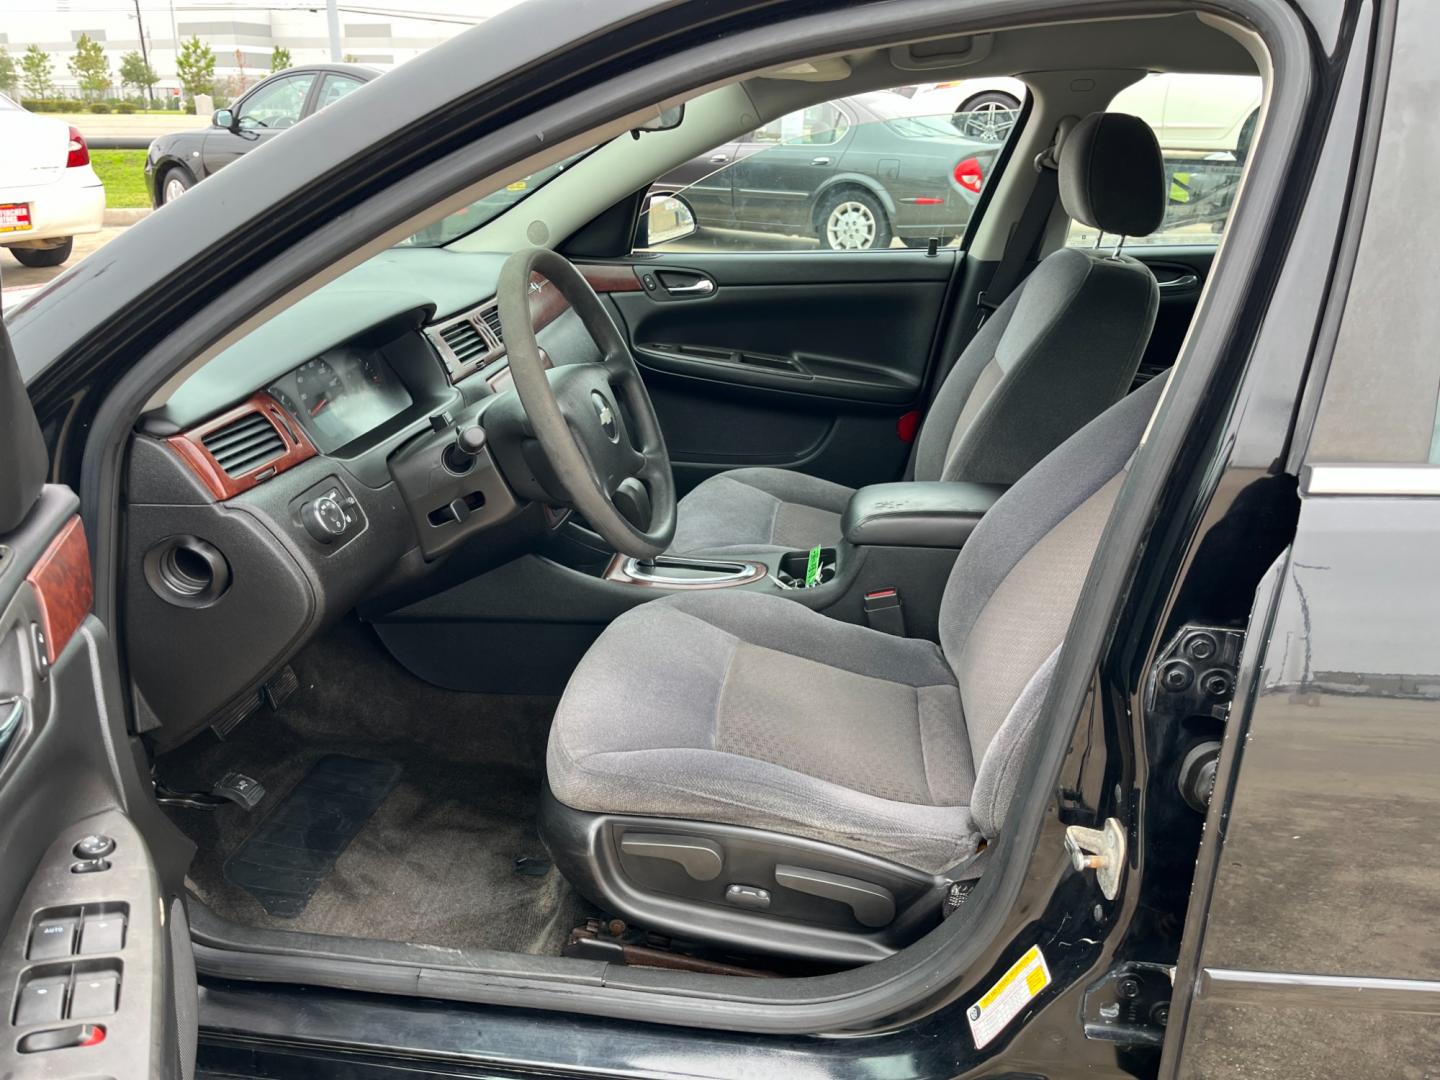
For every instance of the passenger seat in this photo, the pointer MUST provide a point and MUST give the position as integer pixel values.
(1062, 348)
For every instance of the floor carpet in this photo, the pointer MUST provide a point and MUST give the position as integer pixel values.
(436, 862)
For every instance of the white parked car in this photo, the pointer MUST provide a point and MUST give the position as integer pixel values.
(1189, 112)
(49, 193)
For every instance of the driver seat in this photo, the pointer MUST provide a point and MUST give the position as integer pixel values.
(733, 766)
(1063, 346)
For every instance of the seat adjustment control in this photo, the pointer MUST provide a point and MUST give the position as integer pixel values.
(751, 897)
(702, 859)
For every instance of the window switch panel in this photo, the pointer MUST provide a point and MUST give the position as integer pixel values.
(102, 934)
(53, 939)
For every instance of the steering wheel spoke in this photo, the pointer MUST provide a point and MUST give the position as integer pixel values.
(595, 423)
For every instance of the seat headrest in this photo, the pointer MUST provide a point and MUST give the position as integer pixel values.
(1112, 176)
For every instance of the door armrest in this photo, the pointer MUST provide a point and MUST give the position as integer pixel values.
(920, 513)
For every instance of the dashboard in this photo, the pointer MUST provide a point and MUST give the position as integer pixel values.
(316, 466)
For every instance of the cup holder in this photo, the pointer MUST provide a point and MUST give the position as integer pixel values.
(187, 571)
(794, 567)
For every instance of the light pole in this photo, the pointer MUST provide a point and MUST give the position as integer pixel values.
(144, 55)
(332, 21)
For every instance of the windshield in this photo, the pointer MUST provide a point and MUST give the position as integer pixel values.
(482, 211)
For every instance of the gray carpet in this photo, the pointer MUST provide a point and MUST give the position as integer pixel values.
(435, 863)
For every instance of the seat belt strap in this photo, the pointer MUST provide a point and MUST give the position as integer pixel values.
(1024, 239)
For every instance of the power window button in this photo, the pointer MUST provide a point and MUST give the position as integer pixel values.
(42, 1001)
(53, 938)
(102, 934)
(94, 995)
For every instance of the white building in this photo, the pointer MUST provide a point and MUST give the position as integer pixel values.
(242, 38)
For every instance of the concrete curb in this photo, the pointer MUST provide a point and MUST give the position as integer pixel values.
(118, 218)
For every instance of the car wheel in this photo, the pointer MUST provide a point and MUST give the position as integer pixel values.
(50, 256)
(176, 181)
(852, 220)
(988, 116)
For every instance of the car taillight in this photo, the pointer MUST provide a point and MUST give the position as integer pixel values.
(969, 175)
(79, 152)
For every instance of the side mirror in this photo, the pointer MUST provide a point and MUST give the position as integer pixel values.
(224, 118)
(664, 219)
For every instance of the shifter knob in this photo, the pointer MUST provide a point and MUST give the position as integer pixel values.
(471, 440)
(460, 455)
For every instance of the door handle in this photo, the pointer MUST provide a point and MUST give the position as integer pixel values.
(718, 159)
(820, 161)
(703, 287)
(1183, 281)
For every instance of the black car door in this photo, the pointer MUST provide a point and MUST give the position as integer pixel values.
(775, 180)
(276, 105)
(96, 973)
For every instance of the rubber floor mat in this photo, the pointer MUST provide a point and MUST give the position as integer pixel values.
(286, 858)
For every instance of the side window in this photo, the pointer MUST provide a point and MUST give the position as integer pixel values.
(336, 87)
(277, 104)
(1204, 124)
(888, 169)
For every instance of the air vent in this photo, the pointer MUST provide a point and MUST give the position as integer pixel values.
(492, 321)
(245, 444)
(465, 341)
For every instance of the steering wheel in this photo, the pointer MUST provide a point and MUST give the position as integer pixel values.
(594, 422)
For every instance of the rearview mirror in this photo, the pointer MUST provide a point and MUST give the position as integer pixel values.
(663, 120)
(664, 219)
(224, 118)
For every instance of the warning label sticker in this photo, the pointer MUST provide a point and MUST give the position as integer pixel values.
(1008, 997)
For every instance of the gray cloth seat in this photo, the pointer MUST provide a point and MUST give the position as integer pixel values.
(749, 709)
(1062, 347)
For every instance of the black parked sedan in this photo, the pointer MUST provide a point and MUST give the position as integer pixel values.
(178, 162)
(854, 173)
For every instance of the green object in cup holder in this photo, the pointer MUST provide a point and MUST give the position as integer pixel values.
(806, 569)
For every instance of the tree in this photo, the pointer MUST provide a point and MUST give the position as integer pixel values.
(38, 72)
(134, 71)
(280, 58)
(90, 66)
(196, 67)
(9, 74)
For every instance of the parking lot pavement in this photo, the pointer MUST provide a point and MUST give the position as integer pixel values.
(18, 279)
(119, 125)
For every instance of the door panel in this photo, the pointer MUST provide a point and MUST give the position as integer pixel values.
(93, 946)
(1181, 273)
(803, 360)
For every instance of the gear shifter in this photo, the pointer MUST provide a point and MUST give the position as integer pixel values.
(461, 454)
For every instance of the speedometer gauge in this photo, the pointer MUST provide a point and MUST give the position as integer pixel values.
(317, 385)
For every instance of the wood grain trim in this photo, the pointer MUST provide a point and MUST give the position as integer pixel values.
(611, 277)
(190, 447)
(615, 572)
(62, 583)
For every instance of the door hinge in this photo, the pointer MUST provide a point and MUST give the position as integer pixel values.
(1130, 1004)
(1101, 850)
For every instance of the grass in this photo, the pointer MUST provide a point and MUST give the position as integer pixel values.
(123, 172)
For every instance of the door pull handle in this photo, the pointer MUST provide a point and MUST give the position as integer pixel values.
(703, 287)
(718, 159)
(820, 161)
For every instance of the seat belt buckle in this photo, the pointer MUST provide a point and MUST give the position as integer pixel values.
(885, 612)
